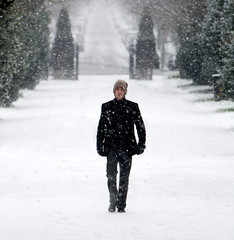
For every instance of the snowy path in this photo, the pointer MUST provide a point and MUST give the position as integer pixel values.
(104, 52)
(53, 184)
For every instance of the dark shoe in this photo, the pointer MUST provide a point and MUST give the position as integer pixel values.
(111, 208)
(121, 210)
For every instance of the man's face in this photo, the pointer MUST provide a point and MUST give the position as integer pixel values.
(119, 93)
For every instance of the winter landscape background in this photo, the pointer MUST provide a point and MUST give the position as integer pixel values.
(53, 183)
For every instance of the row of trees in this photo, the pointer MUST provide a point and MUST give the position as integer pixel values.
(25, 55)
(205, 30)
(206, 47)
(24, 47)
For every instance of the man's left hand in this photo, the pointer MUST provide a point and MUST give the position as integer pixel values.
(139, 150)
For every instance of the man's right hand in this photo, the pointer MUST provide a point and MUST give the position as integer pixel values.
(101, 153)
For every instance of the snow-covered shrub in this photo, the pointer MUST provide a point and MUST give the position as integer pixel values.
(63, 49)
(23, 48)
(146, 57)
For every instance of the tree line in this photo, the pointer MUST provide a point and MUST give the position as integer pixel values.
(204, 28)
(25, 54)
(24, 47)
(205, 32)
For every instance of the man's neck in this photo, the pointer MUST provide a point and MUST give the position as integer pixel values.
(120, 100)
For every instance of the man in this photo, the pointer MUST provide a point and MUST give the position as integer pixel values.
(116, 140)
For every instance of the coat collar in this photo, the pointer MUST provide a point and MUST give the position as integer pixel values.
(122, 101)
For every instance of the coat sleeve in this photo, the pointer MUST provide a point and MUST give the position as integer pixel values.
(101, 132)
(140, 126)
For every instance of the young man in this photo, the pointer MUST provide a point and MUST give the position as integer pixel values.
(116, 140)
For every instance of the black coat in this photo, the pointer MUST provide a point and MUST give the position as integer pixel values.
(116, 128)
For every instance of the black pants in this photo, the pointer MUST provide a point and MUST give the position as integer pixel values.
(118, 197)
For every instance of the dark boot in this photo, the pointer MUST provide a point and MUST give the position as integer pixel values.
(112, 207)
(121, 210)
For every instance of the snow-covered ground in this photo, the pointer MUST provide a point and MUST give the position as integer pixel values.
(53, 184)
